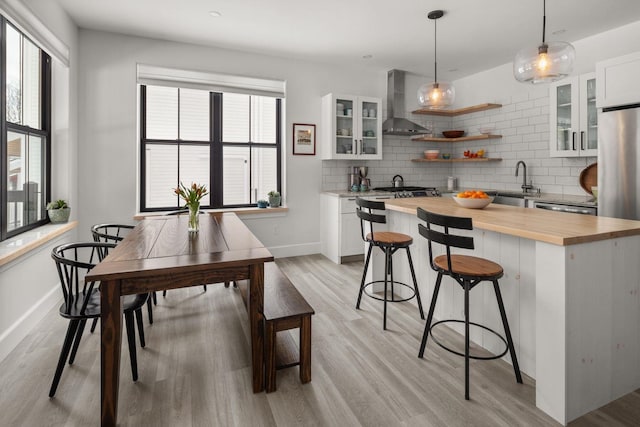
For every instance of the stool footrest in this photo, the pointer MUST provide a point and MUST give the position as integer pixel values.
(462, 354)
(374, 296)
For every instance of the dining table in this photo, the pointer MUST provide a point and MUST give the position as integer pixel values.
(159, 254)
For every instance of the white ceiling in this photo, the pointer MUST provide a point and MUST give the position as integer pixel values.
(473, 35)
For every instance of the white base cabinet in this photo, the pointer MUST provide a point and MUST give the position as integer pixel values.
(340, 226)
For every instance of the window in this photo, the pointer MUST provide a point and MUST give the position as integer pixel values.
(25, 86)
(227, 141)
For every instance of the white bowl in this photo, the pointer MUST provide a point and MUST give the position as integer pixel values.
(473, 203)
(431, 154)
(487, 129)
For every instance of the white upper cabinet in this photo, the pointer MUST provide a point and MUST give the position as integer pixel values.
(618, 81)
(351, 127)
(573, 122)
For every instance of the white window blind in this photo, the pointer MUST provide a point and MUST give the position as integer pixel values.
(215, 82)
(20, 15)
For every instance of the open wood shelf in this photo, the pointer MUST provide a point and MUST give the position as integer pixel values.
(461, 139)
(475, 159)
(457, 112)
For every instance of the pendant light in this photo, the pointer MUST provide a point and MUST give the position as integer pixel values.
(545, 63)
(436, 95)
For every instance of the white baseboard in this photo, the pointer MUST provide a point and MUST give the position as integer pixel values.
(295, 250)
(21, 327)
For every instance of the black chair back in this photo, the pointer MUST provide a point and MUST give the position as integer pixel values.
(443, 237)
(113, 233)
(367, 217)
(73, 261)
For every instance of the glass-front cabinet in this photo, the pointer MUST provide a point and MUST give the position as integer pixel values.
(573, 117)
(351, 127)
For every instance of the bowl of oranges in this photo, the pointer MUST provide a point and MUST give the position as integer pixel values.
(473, 199)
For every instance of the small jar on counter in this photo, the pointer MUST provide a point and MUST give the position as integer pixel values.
(452, 183)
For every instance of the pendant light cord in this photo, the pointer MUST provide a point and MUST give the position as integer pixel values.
(435, 49)
(544, 18)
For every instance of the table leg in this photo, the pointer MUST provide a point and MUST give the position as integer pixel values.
(256, 303)
(305, 349)
(111, 336)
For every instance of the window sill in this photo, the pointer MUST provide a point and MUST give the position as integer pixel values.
(17, 246)
(238, 211)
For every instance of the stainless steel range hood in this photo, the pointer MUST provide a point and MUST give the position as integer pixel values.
(396, 124)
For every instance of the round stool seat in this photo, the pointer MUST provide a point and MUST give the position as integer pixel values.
(390, 238)
(471, 266)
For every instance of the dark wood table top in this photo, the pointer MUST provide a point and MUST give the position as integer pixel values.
(163, 244)
(161, 254)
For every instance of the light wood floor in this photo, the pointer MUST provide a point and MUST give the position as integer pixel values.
(195, 370)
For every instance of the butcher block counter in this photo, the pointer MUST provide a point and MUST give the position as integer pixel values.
(571, 288)
(535, 224)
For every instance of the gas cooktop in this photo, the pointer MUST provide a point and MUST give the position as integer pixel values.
(405, 188)
(408, 191)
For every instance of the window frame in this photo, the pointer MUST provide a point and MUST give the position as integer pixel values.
(216, 146)
(6, 126)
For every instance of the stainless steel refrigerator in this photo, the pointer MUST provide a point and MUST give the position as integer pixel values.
(619, 162)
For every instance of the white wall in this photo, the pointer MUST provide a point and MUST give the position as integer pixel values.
(29, 285)
(108, 149)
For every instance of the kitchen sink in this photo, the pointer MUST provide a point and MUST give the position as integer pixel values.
(510, 198)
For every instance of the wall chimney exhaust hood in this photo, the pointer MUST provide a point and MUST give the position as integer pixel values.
(396, 124)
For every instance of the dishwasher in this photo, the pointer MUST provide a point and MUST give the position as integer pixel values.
(558, 207)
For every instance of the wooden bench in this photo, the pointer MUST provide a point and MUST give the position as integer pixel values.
(284, 308)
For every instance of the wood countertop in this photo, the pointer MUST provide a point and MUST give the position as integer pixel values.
(536, 224)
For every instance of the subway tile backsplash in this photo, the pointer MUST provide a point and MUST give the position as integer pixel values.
(524, 126)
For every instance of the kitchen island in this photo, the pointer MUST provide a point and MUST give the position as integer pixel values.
(571, 291)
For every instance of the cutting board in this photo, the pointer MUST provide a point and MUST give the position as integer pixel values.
(589, 177)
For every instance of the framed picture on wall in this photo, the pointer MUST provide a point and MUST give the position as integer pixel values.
(304, 139)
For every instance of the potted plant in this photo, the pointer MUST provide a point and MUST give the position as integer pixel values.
(274, 198)
(262, 203)
(58, 211)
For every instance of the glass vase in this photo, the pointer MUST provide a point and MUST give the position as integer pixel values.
(194, 220)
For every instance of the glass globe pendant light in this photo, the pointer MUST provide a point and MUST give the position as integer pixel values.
(436, 95)
(548, 62)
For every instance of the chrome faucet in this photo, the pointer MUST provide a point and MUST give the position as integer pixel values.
(525, 187)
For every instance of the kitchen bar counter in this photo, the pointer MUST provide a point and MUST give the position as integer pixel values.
(535, 224)
(571, 288)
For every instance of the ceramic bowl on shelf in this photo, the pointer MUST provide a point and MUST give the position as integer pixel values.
(472, 203)
(453, 133)
(486, 129)
(431, 154)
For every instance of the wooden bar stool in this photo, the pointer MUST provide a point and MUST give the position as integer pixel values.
(389, 242)
(467, 271)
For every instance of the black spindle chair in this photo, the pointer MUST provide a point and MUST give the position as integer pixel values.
(115, 233)
(82, 301)
(467, 271)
